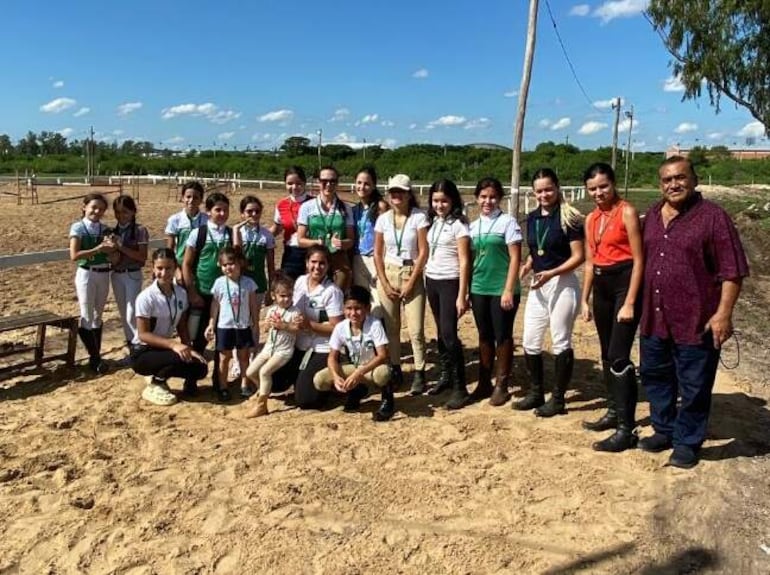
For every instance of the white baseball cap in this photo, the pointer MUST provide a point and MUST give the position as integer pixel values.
(400, 182)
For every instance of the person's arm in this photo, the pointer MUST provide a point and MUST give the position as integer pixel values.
(76, 253)
(634, 231)
(577, 256)
(464, 255)
(379, 265)
(349, 241)
(171, 242)
(305, 242)
(514, 253)
(588, 278)
(146, 336)
(237, 239)
(335, 367)
(380, 358)
(254, 314)
(188, 275)
(326, 328)
(721, 323)
(419, 263)
(139, 254)
(270, 258)
(213, 316)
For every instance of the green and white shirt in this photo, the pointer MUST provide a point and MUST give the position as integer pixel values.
(208, 270)
(180, 225)
(490, 237)
(322, 224)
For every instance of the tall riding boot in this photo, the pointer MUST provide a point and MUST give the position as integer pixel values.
(99, 366)
(486, 359)
(535, 396)
(459, 397)
(563, 364)
(444, 377)
(387, 406)
(624, 374)
(503, 363)
(610, 419)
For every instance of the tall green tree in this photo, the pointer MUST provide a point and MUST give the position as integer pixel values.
(725, 43)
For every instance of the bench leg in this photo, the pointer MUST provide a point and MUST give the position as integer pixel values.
(72, 343)
(40, 346)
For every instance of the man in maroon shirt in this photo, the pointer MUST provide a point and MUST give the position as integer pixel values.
(694, 267)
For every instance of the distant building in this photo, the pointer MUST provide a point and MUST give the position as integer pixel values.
(488, 146)
(738, 154)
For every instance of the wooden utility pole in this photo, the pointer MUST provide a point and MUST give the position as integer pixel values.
(616, 107)
(518, 132)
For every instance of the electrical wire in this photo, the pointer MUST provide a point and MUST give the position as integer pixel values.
(566, 56)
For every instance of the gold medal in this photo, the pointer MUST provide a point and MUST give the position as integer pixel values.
(541, 252)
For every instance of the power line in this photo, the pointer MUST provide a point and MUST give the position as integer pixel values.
(566, 56)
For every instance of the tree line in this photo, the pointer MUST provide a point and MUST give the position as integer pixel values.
(52, 153)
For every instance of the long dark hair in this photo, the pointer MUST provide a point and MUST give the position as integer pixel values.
(449, 189)
(128, 203)
(375, 197)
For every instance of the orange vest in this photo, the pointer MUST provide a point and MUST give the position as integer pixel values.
(607, 236)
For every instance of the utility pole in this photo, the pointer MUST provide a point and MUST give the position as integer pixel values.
(90, 155)
(518, 133)
(364, 149)
(320, 143)
(630, 116)
(616, 107)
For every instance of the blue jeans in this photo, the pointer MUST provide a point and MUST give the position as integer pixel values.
(668, 369)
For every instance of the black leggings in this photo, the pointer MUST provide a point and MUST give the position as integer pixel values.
(165, 363)
(610, 288)
(442, 297)
(306, 396)
(293, 261)
(494, 323)
(199, 341)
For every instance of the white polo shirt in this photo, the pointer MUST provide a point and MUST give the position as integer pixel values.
(326, 299)
(443, 259)
(391, 237)
(361, 348)
(152, 303)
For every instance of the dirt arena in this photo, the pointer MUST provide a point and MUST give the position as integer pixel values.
(93, 480)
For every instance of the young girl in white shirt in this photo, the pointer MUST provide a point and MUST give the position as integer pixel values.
(447, 276)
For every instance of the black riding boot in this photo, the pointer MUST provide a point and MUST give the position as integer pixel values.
(444, 377)
(503, 363)
(486, 360)
(388, 405)
(625, 396)
(563, 364)
(459, 397)
(535, 396)
(610, 419)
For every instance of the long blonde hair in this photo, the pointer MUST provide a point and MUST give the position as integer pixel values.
(570, 216)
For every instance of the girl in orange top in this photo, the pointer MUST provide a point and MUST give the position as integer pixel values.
(614, 271)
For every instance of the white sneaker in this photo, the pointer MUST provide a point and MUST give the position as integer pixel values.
(158, 394)
(235, 370)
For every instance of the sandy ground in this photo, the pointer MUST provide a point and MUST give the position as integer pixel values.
(93, 480)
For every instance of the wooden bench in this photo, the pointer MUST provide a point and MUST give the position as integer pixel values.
(41, 320)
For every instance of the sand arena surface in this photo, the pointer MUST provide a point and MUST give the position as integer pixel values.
(93, 480)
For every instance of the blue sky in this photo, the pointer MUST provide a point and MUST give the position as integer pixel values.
(235, 74)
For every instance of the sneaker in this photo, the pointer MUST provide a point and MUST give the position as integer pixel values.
(684, 457)
(124, 362)
(235, 371)
(655, 443)
(158, 394)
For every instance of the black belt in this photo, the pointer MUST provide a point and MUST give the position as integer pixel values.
(613, 269)
(408, 262)
(97, 269)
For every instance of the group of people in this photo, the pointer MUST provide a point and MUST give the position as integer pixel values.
(348, 273)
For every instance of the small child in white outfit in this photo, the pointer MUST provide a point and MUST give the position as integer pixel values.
(284, 321)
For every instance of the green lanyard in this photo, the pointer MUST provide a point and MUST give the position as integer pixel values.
(399, 239)
(435, 237)
(327, 226)
(172, 310)
(540, 237)
(356, 357)
(236, 316)
(483, 237)
(220, 243)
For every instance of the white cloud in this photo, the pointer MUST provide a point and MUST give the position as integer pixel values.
(606, 104)
(685, 127)
(339, 115)
(57, 105)
(67, 132)
(638, 145)
(591, 128)
(673, 84)
(620, 9)
(561, 124)
(267, 137)
(368, 119)
(128, 108)
(208, 110)
(544, 123)
(478, 124)
(282, 115)
(413, 126)
(174, 140)
(447, 121)
(343, 138)
(580, 10)
(389, 143)
(511, 94)
(225, 136)
(117, 132)
(715, 136)
(82, 112)
(752, 130)
(387, 124)
(625, 124)
(58, 84)
(420, 74)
